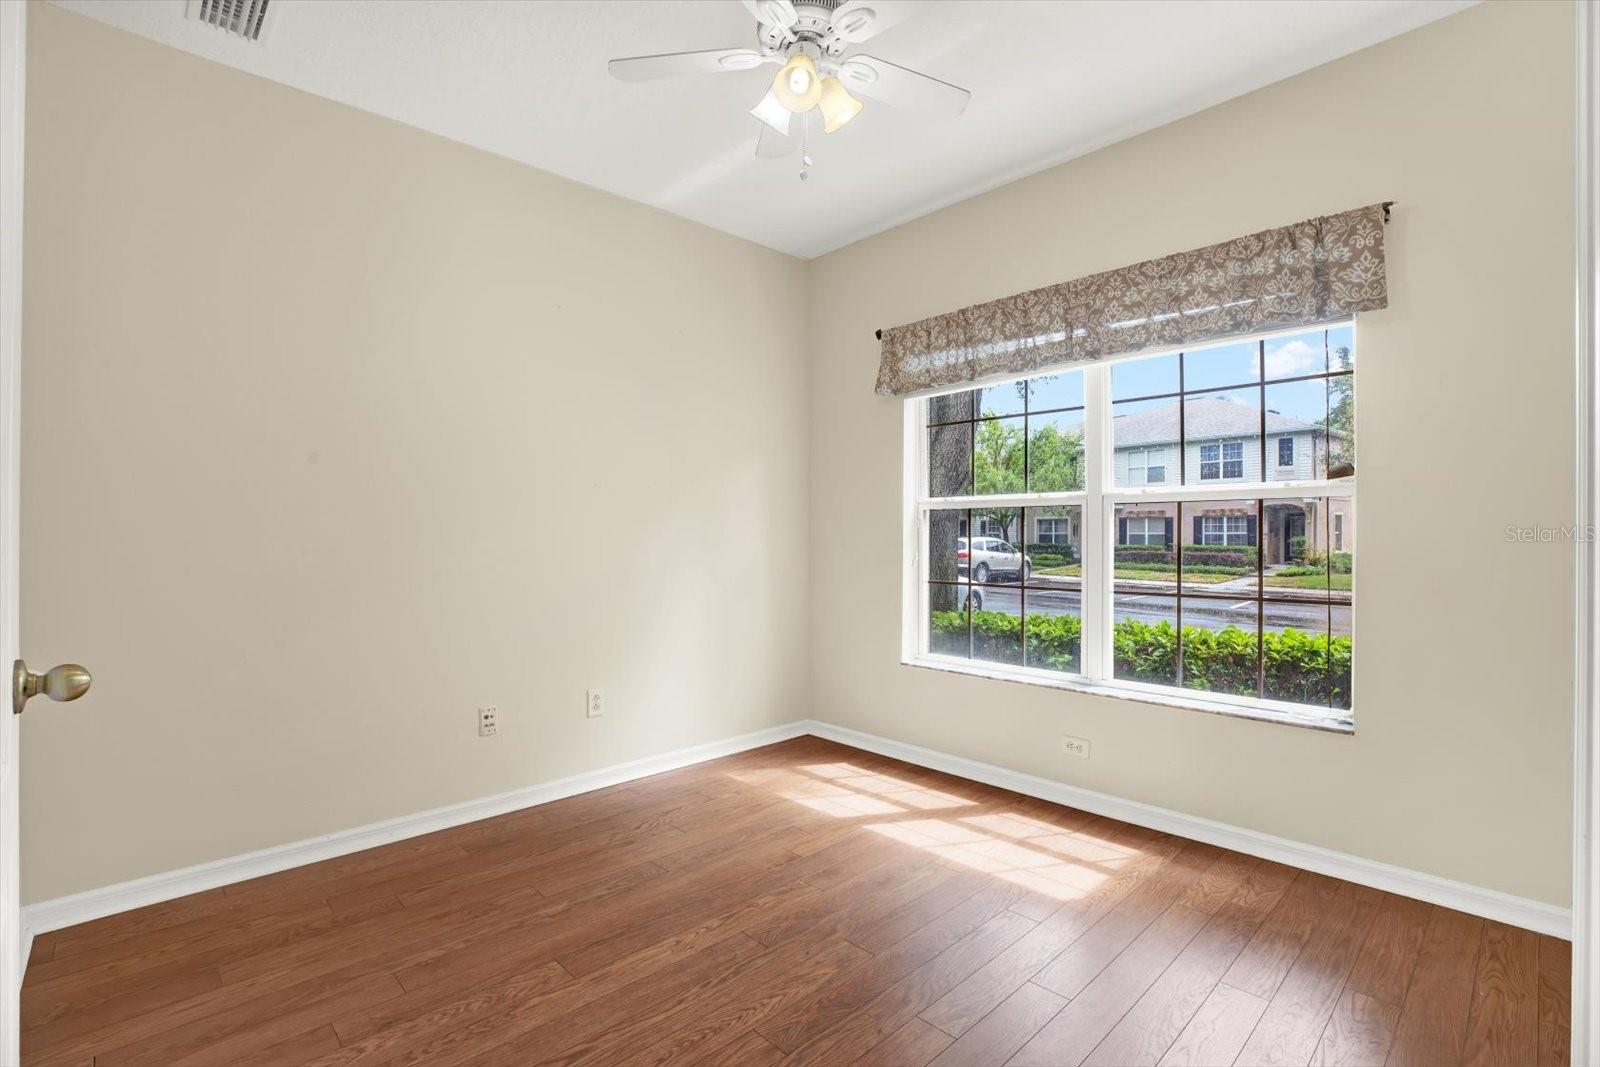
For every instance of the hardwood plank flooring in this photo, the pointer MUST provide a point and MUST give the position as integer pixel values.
(804, 903)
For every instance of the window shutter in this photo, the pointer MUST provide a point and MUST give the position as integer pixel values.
(1122, 531)
(1199, 538)
(1250, 530)
(1166, 531)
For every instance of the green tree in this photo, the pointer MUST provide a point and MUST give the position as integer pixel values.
(1341, 421)
(1055, 460)
(997, 456)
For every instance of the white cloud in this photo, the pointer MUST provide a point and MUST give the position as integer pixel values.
(1293, 359)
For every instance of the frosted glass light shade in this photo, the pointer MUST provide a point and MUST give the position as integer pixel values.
(797, 86)
(773, 113)
(838, 106)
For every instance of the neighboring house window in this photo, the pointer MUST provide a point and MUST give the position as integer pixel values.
(1224, 459)
(1188, 530)
(1147, 466)
(1055, 531)
(1146, 530)
(1225, 530)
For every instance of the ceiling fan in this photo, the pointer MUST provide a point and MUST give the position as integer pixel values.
(808, 40)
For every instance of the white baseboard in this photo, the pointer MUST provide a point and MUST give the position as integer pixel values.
(125, 896)
(1488, 903)
(109, 900)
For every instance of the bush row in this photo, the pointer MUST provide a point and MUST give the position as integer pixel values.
(1241, 556)
(1039, 551)
(1298, 667)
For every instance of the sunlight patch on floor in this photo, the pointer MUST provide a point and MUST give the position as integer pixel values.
(1051, 860)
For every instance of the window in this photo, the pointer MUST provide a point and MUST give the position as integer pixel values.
(1147, 466)
(1145, 530)
(1054, 531)
(1131, 535)
(1223, 459)
(1225, 530)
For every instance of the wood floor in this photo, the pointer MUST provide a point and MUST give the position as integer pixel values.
(804, 903)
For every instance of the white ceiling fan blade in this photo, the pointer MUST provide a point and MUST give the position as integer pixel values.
(878, 79)
(676, 64)
(859, 20)
(774, 145)
(778, 13)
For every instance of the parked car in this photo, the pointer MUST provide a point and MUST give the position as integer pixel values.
(990, 556)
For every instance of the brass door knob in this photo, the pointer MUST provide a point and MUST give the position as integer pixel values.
(66, 682)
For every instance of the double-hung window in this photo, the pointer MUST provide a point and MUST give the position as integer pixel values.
(1055, 531)
(1159, 550)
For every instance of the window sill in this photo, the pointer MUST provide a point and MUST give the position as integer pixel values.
(1262, 712)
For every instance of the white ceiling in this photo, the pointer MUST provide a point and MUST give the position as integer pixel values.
(527, 80)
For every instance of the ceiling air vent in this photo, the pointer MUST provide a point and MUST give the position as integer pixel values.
(242, 18)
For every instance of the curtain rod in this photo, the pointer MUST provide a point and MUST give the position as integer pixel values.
(1387, 204)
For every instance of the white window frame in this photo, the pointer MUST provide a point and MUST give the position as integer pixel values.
(1097, 501)
(1286, 439)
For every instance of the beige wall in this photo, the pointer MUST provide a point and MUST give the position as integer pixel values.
(336, 430)
(1461, 761)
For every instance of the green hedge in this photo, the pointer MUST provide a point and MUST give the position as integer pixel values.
(1038, 550)
(1243, 556)
(1298, 667)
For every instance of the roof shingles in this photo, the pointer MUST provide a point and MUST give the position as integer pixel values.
(1207, 418)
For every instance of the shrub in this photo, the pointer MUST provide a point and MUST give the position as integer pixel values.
(1048, 559)
(1222, 555)
(1188, 567)
(1240, 556)
(1297, 547)
(1342, 562)
(1144, 554)
(1038, 549)
(1297, 667)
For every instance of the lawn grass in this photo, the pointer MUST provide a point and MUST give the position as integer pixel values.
(1140, 574)
(1309, 581)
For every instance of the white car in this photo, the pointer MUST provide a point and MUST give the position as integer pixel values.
(990, 556)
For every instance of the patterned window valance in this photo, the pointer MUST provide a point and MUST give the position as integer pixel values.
(1324, 268)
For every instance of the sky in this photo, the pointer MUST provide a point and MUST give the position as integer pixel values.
(1219, 365)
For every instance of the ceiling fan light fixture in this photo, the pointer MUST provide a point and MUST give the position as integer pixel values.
(797, 86)
(838, 106)
(771, 111)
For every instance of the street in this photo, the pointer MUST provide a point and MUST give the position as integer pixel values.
(1197, 611)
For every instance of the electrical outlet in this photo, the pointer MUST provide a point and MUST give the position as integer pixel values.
(594, 707)
(488, 722)
(1075, 746)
